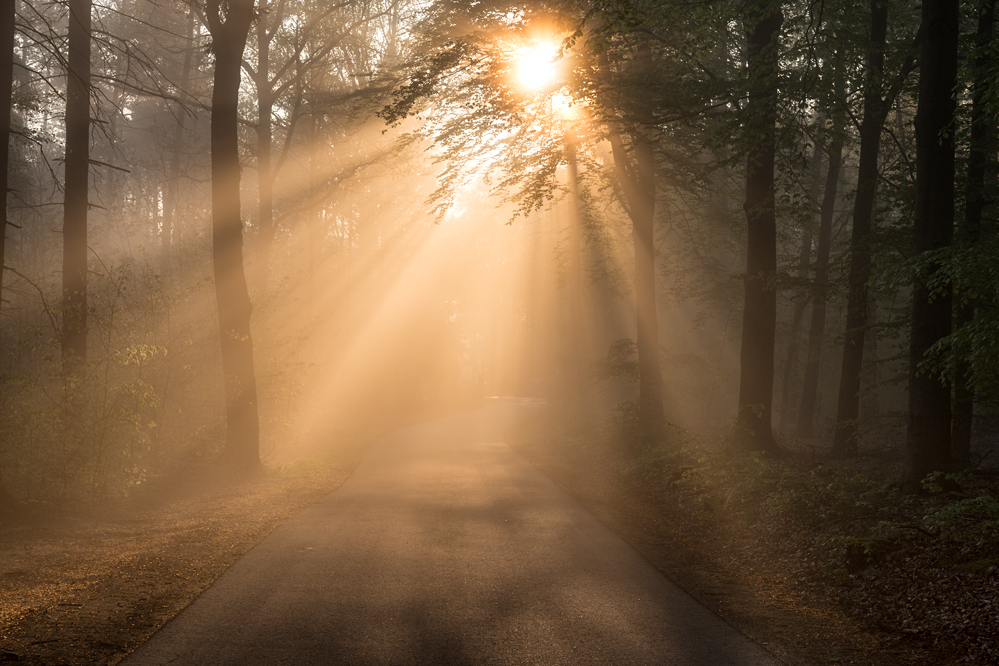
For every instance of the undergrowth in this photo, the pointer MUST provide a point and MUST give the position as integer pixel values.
(924, 569)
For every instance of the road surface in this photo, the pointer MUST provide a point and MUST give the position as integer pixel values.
(446, 547)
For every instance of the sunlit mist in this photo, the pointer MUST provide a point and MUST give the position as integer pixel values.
(370, 307)
(535, 66)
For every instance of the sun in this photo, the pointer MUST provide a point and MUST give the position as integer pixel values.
(535, 66)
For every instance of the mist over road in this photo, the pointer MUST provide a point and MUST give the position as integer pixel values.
(446, 547)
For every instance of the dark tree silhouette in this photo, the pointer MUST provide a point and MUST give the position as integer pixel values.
(6, 88)
(875, 113)
(74, 229)
(759, 323)
(229, 23)
(802, 298)
(980, 153)
(820, 292)
(928, 432)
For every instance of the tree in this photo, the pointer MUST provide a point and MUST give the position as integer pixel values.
(74, 230)
(638, 177)
(6, 89)
(754, 431)
(875, 112)
(820, 291)
(927, 444)
(636, 170)
(801, 299)
(229, 24)
(609, 72)
(980, 154)
(278, 72)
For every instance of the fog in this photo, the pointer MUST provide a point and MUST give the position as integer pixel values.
(408, 253)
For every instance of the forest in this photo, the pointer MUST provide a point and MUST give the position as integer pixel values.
(738, 255)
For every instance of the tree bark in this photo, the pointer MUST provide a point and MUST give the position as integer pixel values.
(637, 175)
(928, 432)
(870, 404)
(639, 184)
(820, 292)
(980, 150)
(6, 92)
(77, 165)
(576, 344)
(650, 377)
(312, 213)
(242, 449)
(759, 324)
(875, 113)
(265, 138)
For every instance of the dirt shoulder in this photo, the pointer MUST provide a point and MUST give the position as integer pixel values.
(81, 588)
(723, 571)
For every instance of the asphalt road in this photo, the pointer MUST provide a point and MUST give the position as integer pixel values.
(446, 547)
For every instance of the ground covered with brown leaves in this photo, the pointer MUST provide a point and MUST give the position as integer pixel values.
(89, 585)
(823, 562)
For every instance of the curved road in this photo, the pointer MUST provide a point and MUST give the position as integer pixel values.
(446, 547)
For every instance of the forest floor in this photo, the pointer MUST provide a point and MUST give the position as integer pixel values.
(89, 586)
(820, 562)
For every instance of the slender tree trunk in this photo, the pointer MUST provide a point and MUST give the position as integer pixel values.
(312, 213)
(74, 227)
(575, 281)
(875, 113)
(638, 181)
(820, 293)
(6, 90)
(788, 395)
(265, 138)
(234, 308)
(979, 150)
(870, 405)
(650, 378)
(576, 346)
(928, 431)
(788, 406)
(171, 197)
(759, 324)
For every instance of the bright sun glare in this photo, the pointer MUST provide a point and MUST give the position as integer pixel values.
(536, 66)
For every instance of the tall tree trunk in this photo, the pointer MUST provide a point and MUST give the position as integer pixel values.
(234, 308)
(265, 137)
(928, 432)
(820, 292)
(312, 212)
(759, 323)
(875, 113)
(576, 348)
(801, 299)
(77, 164)
(870, 405)
(638, 181)
(6, 90)
(980, 149)
(650, 377)
(639, 184)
